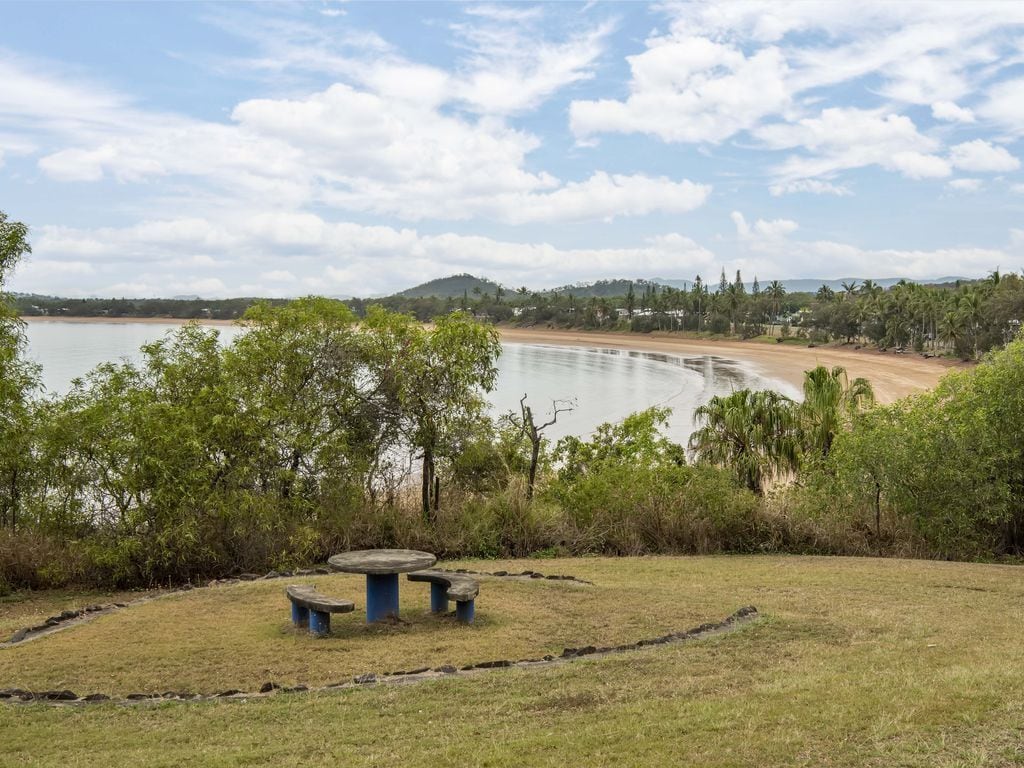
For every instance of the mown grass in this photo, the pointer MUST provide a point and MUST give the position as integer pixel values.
(857, 662)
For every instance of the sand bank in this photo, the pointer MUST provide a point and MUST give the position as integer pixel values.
(893, 376)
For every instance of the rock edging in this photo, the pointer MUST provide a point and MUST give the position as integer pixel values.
(404, 677)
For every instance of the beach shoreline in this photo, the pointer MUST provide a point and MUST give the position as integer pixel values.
(893, 376)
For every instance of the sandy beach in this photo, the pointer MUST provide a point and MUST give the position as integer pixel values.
(893, 376)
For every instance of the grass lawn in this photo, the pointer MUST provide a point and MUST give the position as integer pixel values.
(856, 662)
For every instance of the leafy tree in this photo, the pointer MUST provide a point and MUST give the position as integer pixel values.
(438, 377)
(19, 380)
(830, 401)
(751, 433)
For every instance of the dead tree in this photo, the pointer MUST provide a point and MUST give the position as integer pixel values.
(532, 432)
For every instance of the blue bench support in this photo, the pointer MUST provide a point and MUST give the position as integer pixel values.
(381, 597)
(446, 586)
(319, 623)
(310, 608)
(438, 598)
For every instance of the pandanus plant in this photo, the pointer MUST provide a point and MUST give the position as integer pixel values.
(752, 433)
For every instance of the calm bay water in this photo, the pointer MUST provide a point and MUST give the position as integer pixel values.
(602, 384)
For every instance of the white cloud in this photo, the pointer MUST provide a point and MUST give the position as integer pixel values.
(393, 151)
(980, 155)
(812, 186)
(843, 138)
(947, 110)
(690, 90)
(279, 276)
(776, 229)
(965, 185)
(1005, 105)
(765, 247)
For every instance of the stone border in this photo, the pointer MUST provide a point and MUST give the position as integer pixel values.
(65, 697)
(520, 575)
(72, 617)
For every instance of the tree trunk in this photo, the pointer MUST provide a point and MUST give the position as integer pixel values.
(427, 482)
(534, 456)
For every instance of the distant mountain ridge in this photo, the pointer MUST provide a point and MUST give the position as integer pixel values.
(453, 286)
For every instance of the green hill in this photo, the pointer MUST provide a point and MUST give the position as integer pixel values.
(602, 288)
(453, 286)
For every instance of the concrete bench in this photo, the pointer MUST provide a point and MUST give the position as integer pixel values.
(459, 587)
(310, 608)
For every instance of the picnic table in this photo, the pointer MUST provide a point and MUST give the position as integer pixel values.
(381, 567)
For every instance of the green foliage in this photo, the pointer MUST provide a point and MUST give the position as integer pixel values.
(945, 466)
(751, 433)
(635, 440)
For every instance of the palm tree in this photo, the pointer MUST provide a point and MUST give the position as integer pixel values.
(830, 401)
(751, 433)
(776, 292)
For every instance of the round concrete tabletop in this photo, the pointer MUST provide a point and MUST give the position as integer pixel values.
(379, 562)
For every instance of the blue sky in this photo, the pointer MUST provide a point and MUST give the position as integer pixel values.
(356, 149)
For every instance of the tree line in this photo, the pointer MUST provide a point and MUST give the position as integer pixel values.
(963, 319)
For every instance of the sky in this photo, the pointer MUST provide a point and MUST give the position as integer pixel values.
(278, 149)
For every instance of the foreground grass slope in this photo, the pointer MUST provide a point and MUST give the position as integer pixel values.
(857, 662)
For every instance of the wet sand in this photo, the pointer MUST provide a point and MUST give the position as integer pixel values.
(893, 376)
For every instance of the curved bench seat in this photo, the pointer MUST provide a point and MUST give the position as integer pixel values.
(310, 608)
(445, 586)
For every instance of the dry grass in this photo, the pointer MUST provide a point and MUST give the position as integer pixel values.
(858, 662)
(241, 636)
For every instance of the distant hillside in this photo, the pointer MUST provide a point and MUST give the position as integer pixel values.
(603, 288)
(811, 284)
(453, 286)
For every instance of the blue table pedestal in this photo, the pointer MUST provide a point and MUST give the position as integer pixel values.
(381, 597)
(319, 622)
(465, 610)
(300, 615)
(438, 598)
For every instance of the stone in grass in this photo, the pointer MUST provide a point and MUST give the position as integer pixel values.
(57, 695)
(229, 692)
(248, 576)
(369, 677)
(272, 575)
(500, 573)
(446, 669)
(322, 570)
(268, 687)
(18, 636)
(295, 689)
(141, 696)
(493, 664)
(65, 615)
(96, 697)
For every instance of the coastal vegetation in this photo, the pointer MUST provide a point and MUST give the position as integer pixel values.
(963, 319)
(320, 430)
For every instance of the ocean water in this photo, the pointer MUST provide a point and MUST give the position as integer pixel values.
(600, 384)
